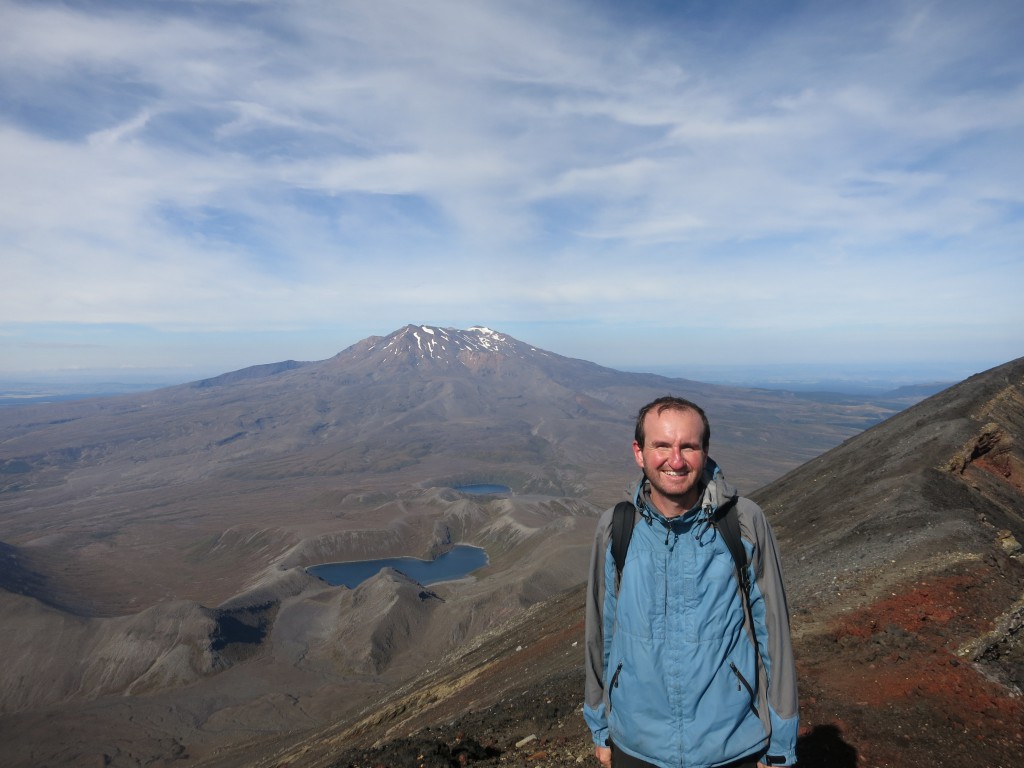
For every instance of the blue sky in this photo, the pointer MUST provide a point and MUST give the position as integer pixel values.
(208, 185)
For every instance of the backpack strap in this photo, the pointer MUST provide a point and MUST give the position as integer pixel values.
(727, 522)
(623, 519)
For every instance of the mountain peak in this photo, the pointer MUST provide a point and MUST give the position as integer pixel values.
(433, 345)
(433, 341)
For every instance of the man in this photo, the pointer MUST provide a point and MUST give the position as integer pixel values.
(674, 675)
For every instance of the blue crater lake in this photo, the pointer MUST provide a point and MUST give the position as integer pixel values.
(482, 489)
(453, 564)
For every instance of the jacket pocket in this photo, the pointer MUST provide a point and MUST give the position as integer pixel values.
(613, 685)
(742, 684)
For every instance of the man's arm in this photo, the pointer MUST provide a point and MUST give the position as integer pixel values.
(595, 646)
(770, 613)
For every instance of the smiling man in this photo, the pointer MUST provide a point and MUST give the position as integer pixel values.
(689, 659)
(671, 448)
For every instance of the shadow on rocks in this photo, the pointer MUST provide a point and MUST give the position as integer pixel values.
(824, 748)
(422, 753)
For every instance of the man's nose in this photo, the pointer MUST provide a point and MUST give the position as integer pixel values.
(676, 459)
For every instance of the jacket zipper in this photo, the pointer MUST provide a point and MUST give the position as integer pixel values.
(614, 684)
(741, 684)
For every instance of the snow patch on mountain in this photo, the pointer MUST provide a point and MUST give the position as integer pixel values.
(446, 344)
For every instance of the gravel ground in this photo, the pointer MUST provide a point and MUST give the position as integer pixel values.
(888, 685)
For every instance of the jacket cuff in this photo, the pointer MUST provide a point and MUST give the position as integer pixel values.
(782, 746)
(597, 723)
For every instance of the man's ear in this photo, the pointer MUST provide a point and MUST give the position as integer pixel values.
(638, 454)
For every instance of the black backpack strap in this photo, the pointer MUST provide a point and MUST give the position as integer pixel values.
(728, 523)
(623, 519)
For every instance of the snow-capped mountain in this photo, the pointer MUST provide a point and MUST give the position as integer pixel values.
(447, 343)
(438, 348)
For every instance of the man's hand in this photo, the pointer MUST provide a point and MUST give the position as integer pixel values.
(604, 755)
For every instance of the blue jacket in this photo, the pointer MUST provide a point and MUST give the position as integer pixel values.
(673, 673)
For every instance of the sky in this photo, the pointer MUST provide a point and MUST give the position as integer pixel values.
(204, 185)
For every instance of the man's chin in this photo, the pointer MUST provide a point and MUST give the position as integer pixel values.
(672, 486)
(675, 493)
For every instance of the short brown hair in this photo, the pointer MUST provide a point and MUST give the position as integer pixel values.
(671, 403)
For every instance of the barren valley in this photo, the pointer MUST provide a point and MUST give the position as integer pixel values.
(157, 610)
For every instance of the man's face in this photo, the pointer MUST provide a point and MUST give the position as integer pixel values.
(672, 458)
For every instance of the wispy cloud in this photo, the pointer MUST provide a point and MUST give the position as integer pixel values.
(312, 164)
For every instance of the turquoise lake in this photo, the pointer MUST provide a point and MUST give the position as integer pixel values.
(458, 562)
(482, 489)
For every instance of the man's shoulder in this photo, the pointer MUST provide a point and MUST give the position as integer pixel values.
(604, 521)
(743, 503)
(752, 519)
(742, 507)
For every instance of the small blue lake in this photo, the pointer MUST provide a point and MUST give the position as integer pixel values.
(482, 489)
(454, 564)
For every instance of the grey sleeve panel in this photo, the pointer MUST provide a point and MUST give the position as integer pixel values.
(767, 571)
(594, 635)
